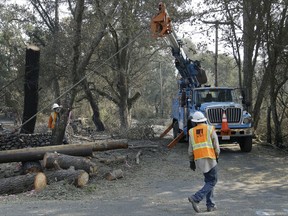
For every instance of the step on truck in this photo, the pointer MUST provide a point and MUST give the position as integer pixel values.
(224, 107)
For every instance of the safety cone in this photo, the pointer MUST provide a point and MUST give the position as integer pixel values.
(225, 130)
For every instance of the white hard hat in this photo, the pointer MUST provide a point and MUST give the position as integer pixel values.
(198, 117)
(55, 105)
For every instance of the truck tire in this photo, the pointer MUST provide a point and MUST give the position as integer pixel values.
(245, 144)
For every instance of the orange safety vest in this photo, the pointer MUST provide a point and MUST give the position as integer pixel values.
(52, 120)
(202, 142)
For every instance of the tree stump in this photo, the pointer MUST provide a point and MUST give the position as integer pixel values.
(79, 178)
(56, 160)
(23, 183)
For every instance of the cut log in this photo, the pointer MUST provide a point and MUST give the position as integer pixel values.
(115, 174)
(114, 159)
(23, 183)
(79, 178)
(142, 146)
(106, 145)
(31, 167)
(37, 153)
(32, 154)
(61, 161)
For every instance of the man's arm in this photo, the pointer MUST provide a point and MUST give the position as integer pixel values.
(190, 150)
(215, 142)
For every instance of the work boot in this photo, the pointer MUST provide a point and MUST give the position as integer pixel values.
(210, 209)
(194, 204)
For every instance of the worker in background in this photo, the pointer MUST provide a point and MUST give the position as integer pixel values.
(54, 119)
(203, 153)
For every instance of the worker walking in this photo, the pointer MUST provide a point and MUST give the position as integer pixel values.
(54, 119)
(203, 153)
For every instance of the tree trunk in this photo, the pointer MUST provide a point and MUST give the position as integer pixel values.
(269, 128)
(79, 178)
(56, 160)
(96, 115)
(23, 183)
(249, 16)
(262, 91)
(31, 89)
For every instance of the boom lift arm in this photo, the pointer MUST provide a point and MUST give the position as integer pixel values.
(161, 26)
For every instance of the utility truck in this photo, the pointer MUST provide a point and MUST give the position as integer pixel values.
(223, 107)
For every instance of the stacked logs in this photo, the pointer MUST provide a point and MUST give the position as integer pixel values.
(19, 141)
(59, 163)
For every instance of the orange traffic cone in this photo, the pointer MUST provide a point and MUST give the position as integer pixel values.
(225, 130)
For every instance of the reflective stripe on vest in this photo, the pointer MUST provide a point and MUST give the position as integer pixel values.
(202, 142)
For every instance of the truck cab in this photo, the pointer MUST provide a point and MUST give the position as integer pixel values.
(213, 102)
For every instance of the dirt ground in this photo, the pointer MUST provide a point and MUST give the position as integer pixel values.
(253, 183)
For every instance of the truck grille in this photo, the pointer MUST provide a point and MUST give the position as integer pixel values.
(233, 114)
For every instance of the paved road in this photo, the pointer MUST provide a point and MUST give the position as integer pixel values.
(249, 184)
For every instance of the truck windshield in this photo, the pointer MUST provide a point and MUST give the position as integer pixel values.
(213, 95)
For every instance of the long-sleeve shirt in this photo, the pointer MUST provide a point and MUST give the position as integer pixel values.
(205, 164)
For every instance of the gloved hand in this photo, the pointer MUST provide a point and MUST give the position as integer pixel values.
(217, 160)
(192, 165)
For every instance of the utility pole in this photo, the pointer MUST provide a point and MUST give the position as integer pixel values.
(216, 23)
(161, 90)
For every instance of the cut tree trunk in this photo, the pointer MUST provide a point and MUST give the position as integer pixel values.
(23, 183)
(30, 89)
(109, 145)
(31, 167)
(37, 153)
(31, 154)
(56, 160)
(115, 159)
(79, 178)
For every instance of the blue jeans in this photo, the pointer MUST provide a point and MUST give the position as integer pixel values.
(210, 179)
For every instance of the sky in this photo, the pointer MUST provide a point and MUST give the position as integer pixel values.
(185, 30)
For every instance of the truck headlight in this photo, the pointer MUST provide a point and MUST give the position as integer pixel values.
(247, 120)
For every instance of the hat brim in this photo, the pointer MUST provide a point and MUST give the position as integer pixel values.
(199, 120)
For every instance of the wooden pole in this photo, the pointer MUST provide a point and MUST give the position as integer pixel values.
(31, 154)
(37, 153)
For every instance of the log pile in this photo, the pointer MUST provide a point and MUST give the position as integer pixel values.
(63, 162)
(20, 141)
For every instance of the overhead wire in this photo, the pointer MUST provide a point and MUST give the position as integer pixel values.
(83, 78)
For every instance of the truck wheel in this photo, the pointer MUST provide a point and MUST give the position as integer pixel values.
(246, 144)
